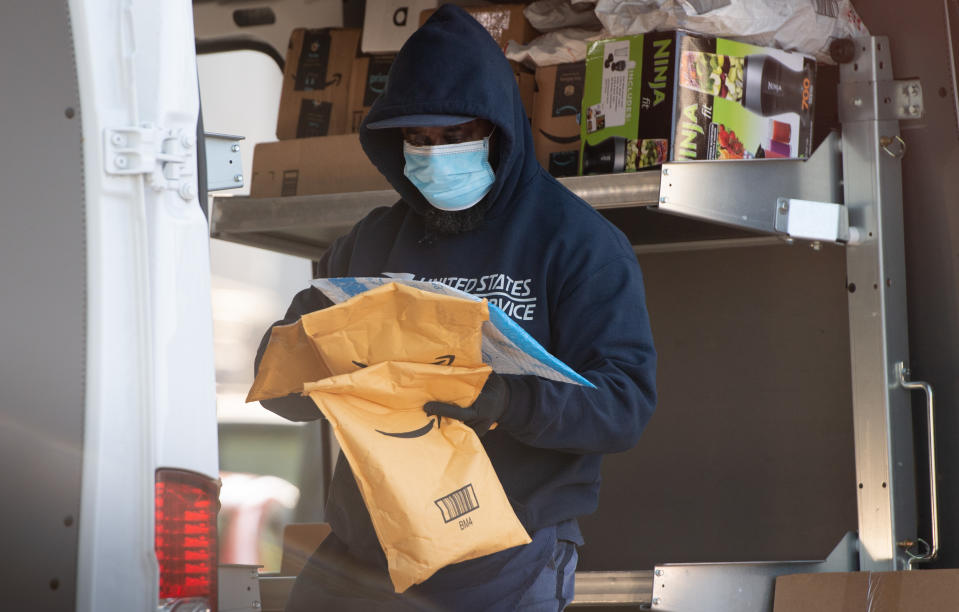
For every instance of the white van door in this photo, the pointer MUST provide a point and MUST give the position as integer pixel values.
(106, 353)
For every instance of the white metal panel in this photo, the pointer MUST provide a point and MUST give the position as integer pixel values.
(42, 307)
(149, 394)
(179, 247)
(116, 530)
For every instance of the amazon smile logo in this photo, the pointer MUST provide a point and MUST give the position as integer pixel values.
(422, 431)
(441, 360)
(416, 433)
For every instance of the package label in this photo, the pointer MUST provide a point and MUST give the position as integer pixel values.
(376, 77)
(564, 163)
(314, 118)
(314, 58)
(568, 91)
(291, 179)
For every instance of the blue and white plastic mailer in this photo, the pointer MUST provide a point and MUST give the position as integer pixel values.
(506, 346)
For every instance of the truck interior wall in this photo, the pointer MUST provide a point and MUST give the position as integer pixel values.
(745, 462)
(42, 302)
(749, 456)
(750, 453)
(920, 45)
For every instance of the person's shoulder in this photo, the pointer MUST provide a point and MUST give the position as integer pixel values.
(382, 215)
(379, 222)
(566, 214)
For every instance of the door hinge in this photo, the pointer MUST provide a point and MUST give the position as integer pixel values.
(165, 157)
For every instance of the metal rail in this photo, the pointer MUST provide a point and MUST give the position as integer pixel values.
(903, 375)
(619, 589)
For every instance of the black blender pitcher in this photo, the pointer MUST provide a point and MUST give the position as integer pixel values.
(605, 157)
(770, 88)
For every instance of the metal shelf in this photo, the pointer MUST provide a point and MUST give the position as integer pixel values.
(306, 225)
(723, 204)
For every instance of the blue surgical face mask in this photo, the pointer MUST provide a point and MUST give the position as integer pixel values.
(450, 177)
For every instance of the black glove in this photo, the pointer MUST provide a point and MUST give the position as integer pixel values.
(486, 410)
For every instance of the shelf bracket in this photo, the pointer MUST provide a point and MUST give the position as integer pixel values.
(747, 195)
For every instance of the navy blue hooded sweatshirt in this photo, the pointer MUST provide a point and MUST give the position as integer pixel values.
(554, 264)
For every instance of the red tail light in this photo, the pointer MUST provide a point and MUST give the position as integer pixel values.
(185, 537)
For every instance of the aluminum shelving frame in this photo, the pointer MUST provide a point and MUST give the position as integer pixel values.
(860, 172)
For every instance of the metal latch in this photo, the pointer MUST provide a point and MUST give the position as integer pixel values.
(164, 157)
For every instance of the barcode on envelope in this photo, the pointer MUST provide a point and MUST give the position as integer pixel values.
(457, 503)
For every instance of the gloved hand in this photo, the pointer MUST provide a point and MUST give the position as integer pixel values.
(485, 411)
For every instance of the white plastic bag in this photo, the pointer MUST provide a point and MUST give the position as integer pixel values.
(559, 47)
(550, 15)
(807, 26)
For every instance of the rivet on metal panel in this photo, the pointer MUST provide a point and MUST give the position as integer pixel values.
(657, 601)
(663, 200)
(235, 148)
(186, 191)
(120, 162)
(117, 139)
(659, 572)
(666, 171)
(857, 101)
(815, 245)
(238, 178)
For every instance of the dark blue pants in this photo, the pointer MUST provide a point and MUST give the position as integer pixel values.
(554, 587)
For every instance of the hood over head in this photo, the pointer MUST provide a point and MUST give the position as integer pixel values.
(452, 66)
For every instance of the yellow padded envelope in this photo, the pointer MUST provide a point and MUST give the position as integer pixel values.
(369, 364)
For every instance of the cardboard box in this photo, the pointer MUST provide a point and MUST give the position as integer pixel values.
(325, 164)
(316, 83)
(505, 22)
(905, 591)
(556, 107)
(370, 73)
(675, 95)
(388, 23)
(366, 83)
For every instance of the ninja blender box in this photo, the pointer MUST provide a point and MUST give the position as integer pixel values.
(669, 96)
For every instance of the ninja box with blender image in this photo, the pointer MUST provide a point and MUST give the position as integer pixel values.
(668, 96)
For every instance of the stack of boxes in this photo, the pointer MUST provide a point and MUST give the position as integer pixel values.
(324, 90)
(636, 101)
(331, 78)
